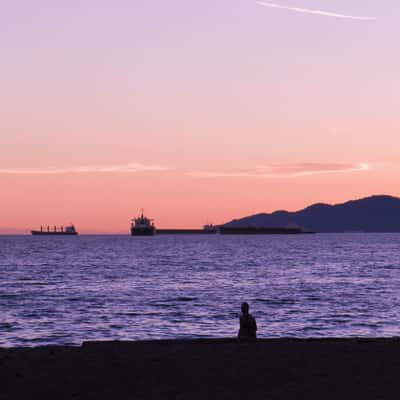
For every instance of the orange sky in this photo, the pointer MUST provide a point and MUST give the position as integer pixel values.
(104, 203)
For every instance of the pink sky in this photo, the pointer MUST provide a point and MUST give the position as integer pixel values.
(197, 112)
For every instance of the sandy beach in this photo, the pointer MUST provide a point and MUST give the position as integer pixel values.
(204, 369)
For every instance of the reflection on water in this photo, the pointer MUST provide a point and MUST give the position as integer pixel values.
(64, 290)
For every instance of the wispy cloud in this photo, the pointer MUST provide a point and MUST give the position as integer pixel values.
(118, 168)
(315, 12)
(285, 170)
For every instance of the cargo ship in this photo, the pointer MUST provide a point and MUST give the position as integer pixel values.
(142, 226)
(207, 230)
(68, 231)
(291, 229)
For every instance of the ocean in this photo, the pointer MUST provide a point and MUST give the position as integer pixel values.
(66, 290)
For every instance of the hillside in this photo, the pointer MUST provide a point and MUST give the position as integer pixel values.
(370, 214)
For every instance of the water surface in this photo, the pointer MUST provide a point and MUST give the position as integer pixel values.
(64, 290)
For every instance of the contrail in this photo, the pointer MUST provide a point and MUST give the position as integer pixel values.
(315, 12)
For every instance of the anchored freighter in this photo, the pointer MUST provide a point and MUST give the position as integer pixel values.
(142, 226)
(69, 230)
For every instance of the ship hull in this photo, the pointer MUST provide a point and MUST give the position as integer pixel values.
(185, 232)
(260, 231)
(142, 232)
(43, 233)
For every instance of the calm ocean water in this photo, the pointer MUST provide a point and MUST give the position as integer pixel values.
(64, 290)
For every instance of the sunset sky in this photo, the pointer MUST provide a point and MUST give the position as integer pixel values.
(197, 111)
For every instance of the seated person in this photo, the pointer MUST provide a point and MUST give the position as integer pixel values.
(248, 324)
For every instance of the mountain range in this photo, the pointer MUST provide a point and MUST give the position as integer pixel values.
(371, 214)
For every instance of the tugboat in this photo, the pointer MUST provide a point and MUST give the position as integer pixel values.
(142, 226)
(69, 230)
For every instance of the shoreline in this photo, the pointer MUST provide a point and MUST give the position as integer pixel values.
(326, 368)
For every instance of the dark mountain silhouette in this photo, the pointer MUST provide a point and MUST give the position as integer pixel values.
(371, 214)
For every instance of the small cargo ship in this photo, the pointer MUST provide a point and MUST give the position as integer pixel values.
(142, 226)
(69, 230)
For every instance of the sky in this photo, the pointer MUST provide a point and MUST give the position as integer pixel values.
(196, 111)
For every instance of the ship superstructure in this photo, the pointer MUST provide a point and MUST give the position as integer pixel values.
(142, 226)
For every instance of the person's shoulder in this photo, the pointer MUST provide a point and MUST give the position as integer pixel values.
(253, 321)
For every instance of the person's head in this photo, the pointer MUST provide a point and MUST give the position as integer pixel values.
(245, 308)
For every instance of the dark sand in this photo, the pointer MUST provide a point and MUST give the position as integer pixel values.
(205, 369)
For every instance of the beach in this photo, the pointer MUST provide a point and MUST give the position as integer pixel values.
(204, 369)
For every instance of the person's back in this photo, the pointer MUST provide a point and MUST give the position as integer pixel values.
(248, 324)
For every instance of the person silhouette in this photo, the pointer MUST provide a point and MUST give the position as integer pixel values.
(248, 324)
